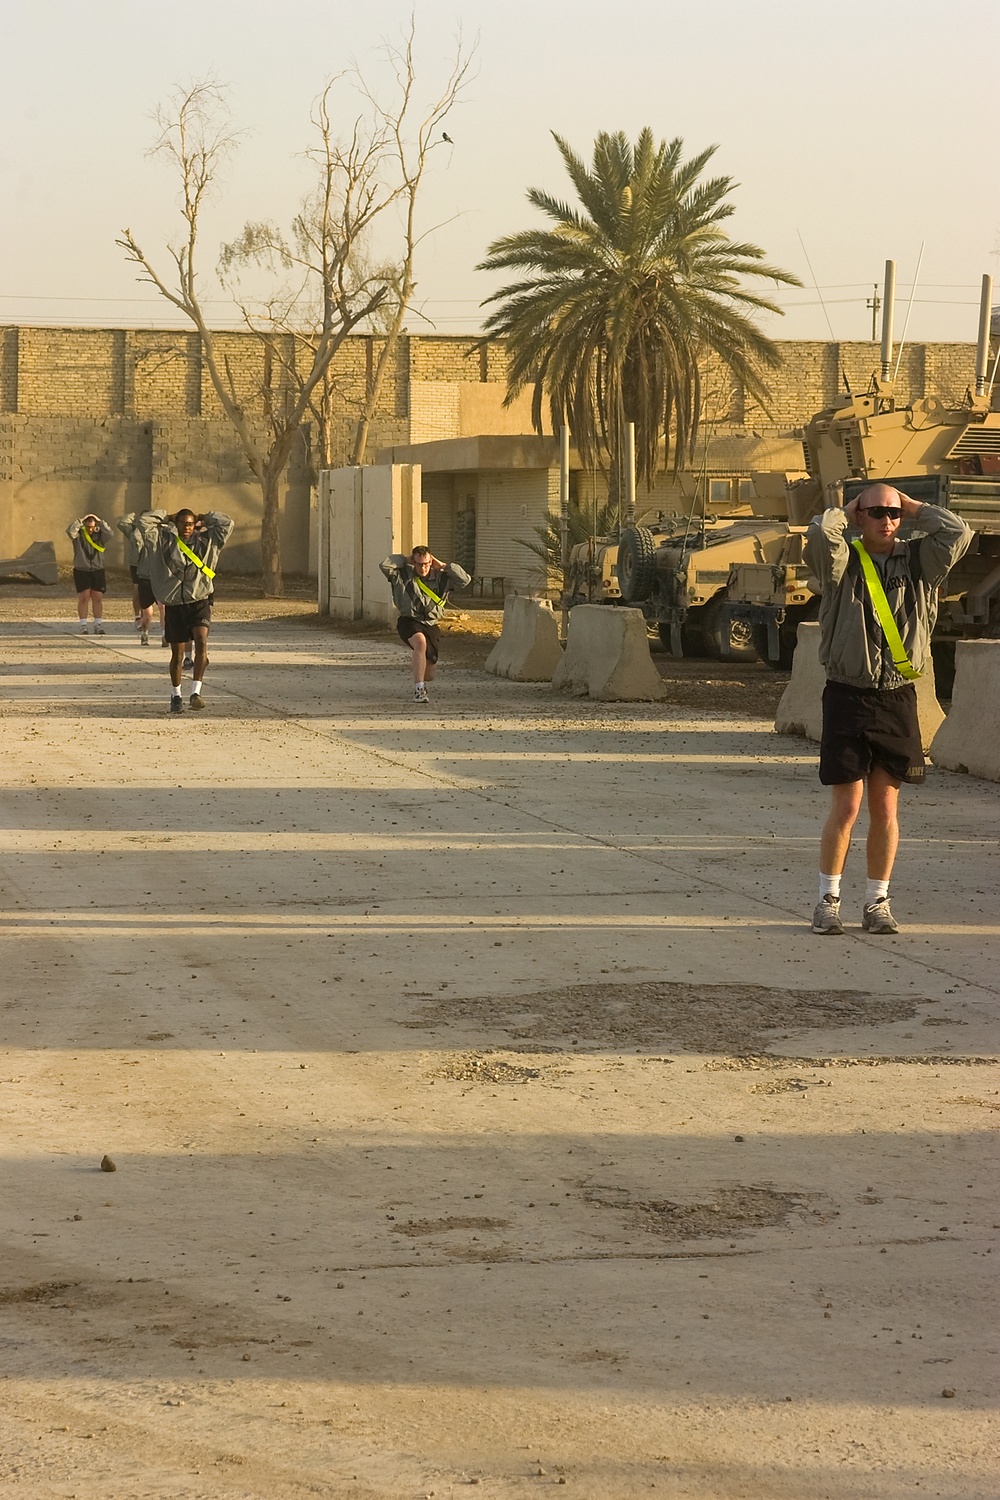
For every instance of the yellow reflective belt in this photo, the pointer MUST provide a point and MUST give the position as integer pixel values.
(208, 572)
(96, 545)
(886, 618)
(425, 590)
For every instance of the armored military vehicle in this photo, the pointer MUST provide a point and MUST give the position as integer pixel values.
(947, 455)
(678, 571)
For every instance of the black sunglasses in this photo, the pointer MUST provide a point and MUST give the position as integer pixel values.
(882, 512)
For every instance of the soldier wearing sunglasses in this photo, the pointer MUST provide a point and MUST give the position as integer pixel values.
(877, 611)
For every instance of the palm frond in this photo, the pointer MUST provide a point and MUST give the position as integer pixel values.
(617, 306)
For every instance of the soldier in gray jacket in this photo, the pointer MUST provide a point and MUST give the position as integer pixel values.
(142, 592)
(871, 733)
(90, 536)
(183, 554)
(420, 588)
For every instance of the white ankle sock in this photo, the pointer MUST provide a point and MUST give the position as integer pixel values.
(875, 890)
(829, 885)
(196, 687)
(175, 692)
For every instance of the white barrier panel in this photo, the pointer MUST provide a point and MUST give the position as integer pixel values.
(607, 656)
(801, 708)
(969, 738)
(365, 513)
(528, 649)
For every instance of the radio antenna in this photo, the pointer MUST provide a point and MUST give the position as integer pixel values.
(909, 308)
(812, 273)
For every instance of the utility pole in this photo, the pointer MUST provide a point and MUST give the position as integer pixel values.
(564, 523)
(873, 304)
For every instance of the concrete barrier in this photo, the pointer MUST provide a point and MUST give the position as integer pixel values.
(39, 562)
(528, 649)
(969, 738)
(607, 656)
(801, 708)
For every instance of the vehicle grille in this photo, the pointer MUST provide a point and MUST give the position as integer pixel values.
(975, 442)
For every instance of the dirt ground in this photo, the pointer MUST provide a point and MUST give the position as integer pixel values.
(749, 689)
(474, 1039)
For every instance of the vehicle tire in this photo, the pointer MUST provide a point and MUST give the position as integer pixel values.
(636, 564)
(714, 623)
(943, 654)
(787, 637)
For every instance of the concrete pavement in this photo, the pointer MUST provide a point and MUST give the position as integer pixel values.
(443, 1054)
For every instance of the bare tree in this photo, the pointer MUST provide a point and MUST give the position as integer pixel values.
(408, 130)
(410, 158)
(327, 286)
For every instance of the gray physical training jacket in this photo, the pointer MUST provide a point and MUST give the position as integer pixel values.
(175, 579)
(407, 596)
(86, 558)
(852, 644)
(133, 539)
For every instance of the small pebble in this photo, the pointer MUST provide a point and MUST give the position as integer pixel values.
(737, 1137)
(948, 1391)
(107, 1165)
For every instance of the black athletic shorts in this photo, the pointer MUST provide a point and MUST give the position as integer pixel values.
(147, 599)
(407, 626)
(866, 727)
(84, 578)
(180, 620)
(133, 572)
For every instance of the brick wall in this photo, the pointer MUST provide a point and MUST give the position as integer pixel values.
(106, 417)
(145, 374)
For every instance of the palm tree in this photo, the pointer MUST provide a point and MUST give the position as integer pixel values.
(621, 304)
(584, 523)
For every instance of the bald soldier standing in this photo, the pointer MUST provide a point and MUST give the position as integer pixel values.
(876, 615)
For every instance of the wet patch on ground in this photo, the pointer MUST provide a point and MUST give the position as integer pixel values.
(730, 1018)
(782, 1086)
(730, 1213)
(485, 1067)
(751, 1062)
(417, 1227)
(44, 1291)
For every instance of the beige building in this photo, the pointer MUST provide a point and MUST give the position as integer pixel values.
(113, 420)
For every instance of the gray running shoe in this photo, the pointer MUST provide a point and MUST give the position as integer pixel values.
(83, 627)
(878, 918)
(187, 663)
(144, 638)
(826, 917)
(420, 694)
(195, 701)
(99, 628)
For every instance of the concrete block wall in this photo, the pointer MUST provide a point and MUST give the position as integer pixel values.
(106, 418)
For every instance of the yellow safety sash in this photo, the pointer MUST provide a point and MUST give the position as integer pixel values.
(87, 536)
(886, 619)
(421, 585)
(208, 572)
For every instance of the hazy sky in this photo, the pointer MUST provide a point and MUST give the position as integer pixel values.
(866, 128)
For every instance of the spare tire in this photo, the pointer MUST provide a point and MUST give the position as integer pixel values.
(717, 626)
(636, 564)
